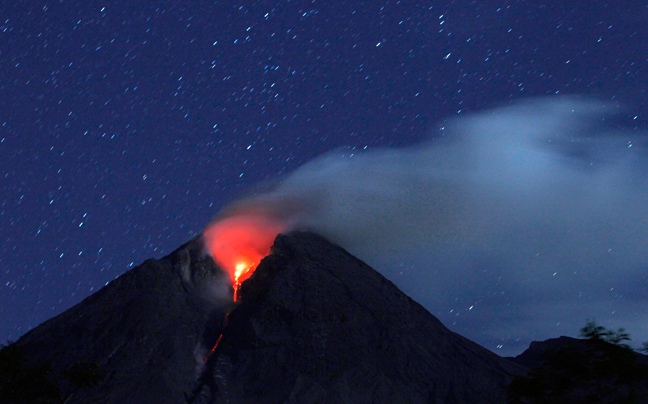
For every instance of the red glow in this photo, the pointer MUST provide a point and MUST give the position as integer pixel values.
(238, 243)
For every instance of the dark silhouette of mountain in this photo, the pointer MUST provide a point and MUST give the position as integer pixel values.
(140, 332)
(570, 370)
(316, 325)
(313, 324)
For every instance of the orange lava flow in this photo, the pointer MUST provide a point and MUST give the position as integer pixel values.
(220, 337)
(238, 243)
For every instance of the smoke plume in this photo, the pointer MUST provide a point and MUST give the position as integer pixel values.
(509, 225)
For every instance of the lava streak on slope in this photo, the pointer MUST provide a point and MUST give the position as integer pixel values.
(239, 242)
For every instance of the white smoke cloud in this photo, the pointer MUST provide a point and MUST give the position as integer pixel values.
(517, 224)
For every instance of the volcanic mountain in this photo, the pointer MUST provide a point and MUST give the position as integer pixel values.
(313, 324)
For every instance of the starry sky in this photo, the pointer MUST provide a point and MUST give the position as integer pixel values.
(125, 127)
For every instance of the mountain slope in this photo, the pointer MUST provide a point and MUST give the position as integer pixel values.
(315, 324)
(141, 332)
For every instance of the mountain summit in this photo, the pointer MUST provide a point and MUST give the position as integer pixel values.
(312, 324)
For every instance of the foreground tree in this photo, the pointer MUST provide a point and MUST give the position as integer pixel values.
(594, 331)
(25, 383)
(600, 369)
(21, 382)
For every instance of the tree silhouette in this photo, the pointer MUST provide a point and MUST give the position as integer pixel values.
(596, 332)
(22, 383)
(644, 348)
(599, 369)
(25, 383)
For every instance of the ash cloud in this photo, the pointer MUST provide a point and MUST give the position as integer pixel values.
(516, 224)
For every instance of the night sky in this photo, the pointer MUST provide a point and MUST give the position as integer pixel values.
(126, 126)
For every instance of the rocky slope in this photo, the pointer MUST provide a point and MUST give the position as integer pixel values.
(142, 331)
(314, 324)
(317, 325)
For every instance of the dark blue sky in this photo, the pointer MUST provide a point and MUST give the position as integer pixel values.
(126, 126)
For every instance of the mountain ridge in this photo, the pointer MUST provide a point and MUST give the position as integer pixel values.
(358, 338)
(153, 315)
(312, 324)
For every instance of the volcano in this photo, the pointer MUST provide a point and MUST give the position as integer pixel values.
(312, 324)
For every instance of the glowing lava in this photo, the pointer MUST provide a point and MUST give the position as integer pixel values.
(239, 242)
